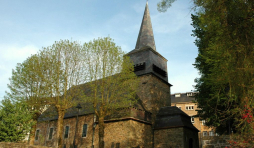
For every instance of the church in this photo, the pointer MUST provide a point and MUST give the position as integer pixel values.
(151, 123)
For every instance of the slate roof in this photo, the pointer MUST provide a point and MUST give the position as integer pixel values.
(143, 48)
(145, 36)
(51, 113)
(171, 117)
(183, 98)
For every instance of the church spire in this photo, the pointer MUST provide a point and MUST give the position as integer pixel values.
(145, 36)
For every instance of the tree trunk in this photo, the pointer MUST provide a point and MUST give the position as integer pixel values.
(101, 132)
(32, 133)
(60, 128)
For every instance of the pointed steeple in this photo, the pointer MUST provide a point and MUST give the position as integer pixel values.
(145, 36)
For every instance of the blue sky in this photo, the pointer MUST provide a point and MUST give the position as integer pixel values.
(26, 26)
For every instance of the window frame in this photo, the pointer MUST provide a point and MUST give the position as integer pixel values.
(85, 131)
(37, 132)
(50, 136)
(192, 120)
(189, 107)
(66, 135)
(211, 133)
(204, 133)
(177, 95)
(203, 122)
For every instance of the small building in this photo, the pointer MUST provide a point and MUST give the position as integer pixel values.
(186, 102)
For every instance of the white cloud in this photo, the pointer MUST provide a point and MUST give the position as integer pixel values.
(17, 53)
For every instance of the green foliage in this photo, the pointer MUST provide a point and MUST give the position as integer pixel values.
(224, 31)
(26, 85)
(15, 121)
(114, 82)
(163, 5)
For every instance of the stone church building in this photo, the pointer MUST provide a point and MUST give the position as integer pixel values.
(151, 123)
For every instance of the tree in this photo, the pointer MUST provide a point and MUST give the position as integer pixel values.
(61, 67)
(15, 121)
(26, 86)
(46, 79)
(113, 83)
(224, 32)
(228, 57)
(163, 5)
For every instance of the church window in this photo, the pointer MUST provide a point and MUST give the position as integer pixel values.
(159, 71)
(84, 130)
(66, 133)
(117, 145)
(112, 145)
(139, 67)
(37, 134)
(50, 133)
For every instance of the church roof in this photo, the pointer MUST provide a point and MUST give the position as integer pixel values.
(87, 108)
(145, 36)
(172, 117)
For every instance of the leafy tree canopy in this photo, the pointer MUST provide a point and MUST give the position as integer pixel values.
(15, 121)
(113, 83)
(224, 32)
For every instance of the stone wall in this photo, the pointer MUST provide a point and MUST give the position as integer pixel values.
(215, 141)
(126, 132)
(169, 138)
(154, 92)
(71, 122)
(178, 137)
(18, 145)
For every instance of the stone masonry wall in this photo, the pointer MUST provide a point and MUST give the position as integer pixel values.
(154, 93)
(169, 138)
(215, 141)
(18, 145)
(71, 122)
(128, 133)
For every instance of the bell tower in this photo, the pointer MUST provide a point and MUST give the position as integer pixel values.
(151, 68)
(145, 57)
